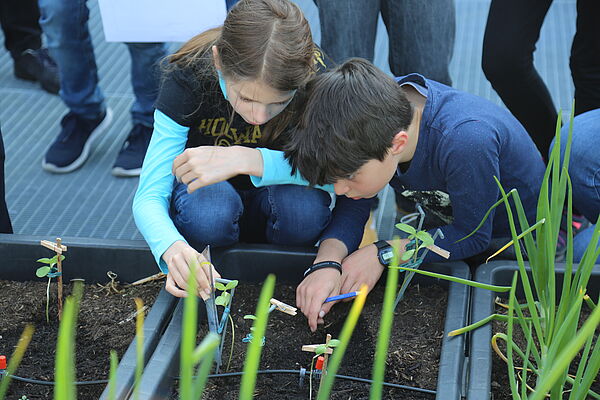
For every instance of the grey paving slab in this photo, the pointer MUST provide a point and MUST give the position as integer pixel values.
(92, 203)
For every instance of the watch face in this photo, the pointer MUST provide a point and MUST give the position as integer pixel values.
(387, 255)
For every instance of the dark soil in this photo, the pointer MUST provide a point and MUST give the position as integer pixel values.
(500, 381)
(413, 353)
(101, 327)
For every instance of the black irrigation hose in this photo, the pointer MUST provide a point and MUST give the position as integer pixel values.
(50, 383)
(301, 373)
(230, 374)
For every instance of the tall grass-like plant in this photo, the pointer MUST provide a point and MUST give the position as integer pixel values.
(195, 361)
(64, 371)
(345, 335)
(15, 359)
(255, 346)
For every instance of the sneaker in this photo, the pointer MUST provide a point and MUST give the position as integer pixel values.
(38, 66)
(579, 223)
(131, 156)
(72, 146)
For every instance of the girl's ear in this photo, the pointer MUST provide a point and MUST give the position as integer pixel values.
(216, 58)
(399, 142)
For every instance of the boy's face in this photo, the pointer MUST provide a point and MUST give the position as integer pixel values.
(369, 180)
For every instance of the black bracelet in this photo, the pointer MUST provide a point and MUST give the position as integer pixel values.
(323, 264)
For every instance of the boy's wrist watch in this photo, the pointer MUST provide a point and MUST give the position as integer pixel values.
(385, 252)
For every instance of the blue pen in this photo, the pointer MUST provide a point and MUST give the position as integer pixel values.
(341, 296)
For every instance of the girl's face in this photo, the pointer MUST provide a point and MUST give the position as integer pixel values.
(256, 101)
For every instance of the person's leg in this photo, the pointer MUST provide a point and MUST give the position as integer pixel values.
(585, 57)
(5, 225)
(421, 39)
(145, 75)
(293, 215)
(210, 215)
(348, 28)
(19, 21)
(512, 30)
(584, 171)
(65, 24)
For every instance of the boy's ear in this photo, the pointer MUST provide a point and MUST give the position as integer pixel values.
(399, 142)
(216, 58)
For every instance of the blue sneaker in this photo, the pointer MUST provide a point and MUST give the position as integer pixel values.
(131, 156)
(72, 146)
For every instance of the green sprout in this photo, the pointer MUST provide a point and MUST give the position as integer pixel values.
(422, 239)
(49, 270)
(225, 297)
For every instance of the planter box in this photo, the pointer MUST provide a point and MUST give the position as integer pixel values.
(482, 305)
(88, 259)
(91, 259)
(252, 263)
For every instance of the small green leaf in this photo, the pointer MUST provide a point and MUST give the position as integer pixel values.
(425, 237)
(320, 349)
(406, 228)
(220, 286)
(407, 254)
(62, 257)
(249, 316)
(220, 301)
(44, 260)
(334, 343)
(42, 272)
(226, 298)
(231, 285)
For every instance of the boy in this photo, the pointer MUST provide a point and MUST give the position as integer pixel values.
(362, 130)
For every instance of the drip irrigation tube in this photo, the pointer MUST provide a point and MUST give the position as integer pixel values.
(231, 374)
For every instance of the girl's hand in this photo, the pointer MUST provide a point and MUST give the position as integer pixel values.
(204, 165)
(178, 258)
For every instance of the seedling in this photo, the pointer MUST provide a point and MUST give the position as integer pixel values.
(418, 240)
(323, 350)
(53, 269)
(275, 305)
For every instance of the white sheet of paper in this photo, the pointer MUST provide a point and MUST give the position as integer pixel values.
(159, 20)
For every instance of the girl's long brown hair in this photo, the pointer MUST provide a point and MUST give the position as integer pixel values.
(268, 40)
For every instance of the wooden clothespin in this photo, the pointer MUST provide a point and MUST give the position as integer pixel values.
(281, 306)
(58, 248)
(328, 350)
(439, 251)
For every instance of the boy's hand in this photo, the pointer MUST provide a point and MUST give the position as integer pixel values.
(177, 257)
(361, 267)
(205, 165)
(312, 292)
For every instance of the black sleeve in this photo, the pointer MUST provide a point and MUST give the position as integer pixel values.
(176, 98)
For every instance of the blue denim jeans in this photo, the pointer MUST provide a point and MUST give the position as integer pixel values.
(584, 171)
(220, 215)
(421, 36)
(64, 23)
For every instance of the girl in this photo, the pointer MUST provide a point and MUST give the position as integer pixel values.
(238, 85)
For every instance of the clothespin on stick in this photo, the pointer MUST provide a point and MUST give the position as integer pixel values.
(328, 350)
(281, 306)
(439, 251)
(58, 248)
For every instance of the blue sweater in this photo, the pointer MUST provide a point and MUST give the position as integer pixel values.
(464, 141)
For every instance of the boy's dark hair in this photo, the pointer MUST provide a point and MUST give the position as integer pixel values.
(351, 115)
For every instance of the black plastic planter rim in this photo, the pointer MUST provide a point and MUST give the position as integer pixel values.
(482, 305)
(157, 380)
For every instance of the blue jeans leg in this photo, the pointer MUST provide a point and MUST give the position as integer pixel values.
(584, 171)
(421, 37)
(64, 23)
(348, 28)
(145, 75)
(210, 215)
(293, 215)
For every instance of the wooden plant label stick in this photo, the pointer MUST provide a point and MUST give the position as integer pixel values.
(326, 357)
(58, 248)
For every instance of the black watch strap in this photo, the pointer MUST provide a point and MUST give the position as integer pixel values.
(385, 252)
